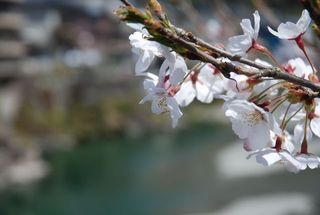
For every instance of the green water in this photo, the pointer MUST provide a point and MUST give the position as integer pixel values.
(151, 175)
(161, 174)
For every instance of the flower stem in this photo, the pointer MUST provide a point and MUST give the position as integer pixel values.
(278, 104)
(196, 67)
(284, 117)
(265, 90)
(288, 120)
(300, 44)
(266, 52)
(304, 145)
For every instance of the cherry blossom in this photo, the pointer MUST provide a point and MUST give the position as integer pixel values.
(145, 49)
(203, 85)
(263, 102)
(241, 44)
(237, 87)
(270, 156)
(250, 122)
(280, 152)
(242, 87)
(175, 66)
(298, 67)
(161, 90)
(161, 100)
(292, 31)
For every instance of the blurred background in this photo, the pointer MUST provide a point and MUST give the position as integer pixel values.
(74, 140)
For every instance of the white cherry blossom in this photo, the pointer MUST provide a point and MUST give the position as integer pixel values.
(161, 100)
(241, 87)
(161, 90)
(250, 122)
(145, 49)
(270, 156)
(204, 85)
(237, 87)
(280, 152)
(298, 68)
(241, 44)
(291, 31)
(286, 141)
(250, 102)
(175, 66)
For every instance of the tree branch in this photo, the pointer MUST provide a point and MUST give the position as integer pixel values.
(195, 48)
(220, 52)
(126, 3)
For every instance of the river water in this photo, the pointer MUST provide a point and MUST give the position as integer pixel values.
(194, 171)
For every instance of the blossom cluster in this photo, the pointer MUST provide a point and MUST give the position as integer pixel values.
(259, 110)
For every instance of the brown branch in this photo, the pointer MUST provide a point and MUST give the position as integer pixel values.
(220, 52)
(277, 74)
(227, 67)
(126, 3)
(200, 50)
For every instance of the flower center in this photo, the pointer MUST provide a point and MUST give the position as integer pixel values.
(162, 104)
(253, 118)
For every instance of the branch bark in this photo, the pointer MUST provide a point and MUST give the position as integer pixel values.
(208, 53)
(227, 67)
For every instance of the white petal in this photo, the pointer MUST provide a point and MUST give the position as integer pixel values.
(247, 27)
(144, 61)
(149, 84)
(309, 160)
(315, 126)
(136, 39)
(288, 30)
(268, 157)
(273, 124)
(288, 145)
(256, 25)
(240, 114)
(175, 112)
(214, 82)
(186, 94)
(303, 161)
(178, 72)
(240, 44)
(304, 21)
(298, 133)
(275, 33)
(204, 94)
(259, 137)
(301, 69)
(290, 162)
(164, 67)
(155, 107)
